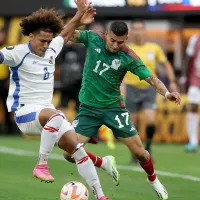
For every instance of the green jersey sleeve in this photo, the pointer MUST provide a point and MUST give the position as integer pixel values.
(84, 35)
(139, 69)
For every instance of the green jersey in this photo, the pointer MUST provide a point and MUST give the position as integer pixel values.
(104, 71)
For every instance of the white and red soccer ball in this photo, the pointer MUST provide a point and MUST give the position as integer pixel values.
(74, 191)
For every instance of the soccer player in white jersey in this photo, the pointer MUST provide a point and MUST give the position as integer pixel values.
(31, 88)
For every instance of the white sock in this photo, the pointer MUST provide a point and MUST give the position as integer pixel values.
(49, 136)
(87, 171)
(42, 160)
(192, 127)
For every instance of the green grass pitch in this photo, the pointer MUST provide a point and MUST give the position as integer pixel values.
(18, 157)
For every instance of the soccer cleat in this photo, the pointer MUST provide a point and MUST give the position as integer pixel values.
(159, 189)
(104, 198)
(110, 168)
(191, 148)
(42, 172)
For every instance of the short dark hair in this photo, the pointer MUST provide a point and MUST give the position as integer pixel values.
(42, 20)
(119, 28)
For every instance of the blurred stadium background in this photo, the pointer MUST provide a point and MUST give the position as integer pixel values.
(170, 23)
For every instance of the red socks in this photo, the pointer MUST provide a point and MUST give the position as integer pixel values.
(149, 169)
(96, 160)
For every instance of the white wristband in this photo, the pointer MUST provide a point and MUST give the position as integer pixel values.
(166, 94)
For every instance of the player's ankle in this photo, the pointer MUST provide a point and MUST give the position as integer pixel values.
(43, 159)
(99, 162)
(152, 178)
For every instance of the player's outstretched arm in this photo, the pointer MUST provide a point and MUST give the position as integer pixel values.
(76, 36)
(88, 16)
(161, 89)
(170, 76)
(69, 28)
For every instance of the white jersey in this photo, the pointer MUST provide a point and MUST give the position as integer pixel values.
(190, 50)
(31, 76)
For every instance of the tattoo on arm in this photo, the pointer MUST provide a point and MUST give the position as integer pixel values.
(149, 79)
(157, 84)
(75, 36)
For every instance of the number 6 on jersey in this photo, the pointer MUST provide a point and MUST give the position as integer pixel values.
(46, 73)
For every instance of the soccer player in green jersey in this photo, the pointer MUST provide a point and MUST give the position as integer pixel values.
(108, 59)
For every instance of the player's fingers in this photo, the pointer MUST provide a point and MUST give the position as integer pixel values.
(88, 4)
(91, 10)
(178, 100)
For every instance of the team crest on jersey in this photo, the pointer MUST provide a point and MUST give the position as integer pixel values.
(10, 47)
(75, 123)
(150, 55)
(51, 60)
(116, 64)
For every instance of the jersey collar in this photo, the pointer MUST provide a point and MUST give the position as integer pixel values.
(29, 46)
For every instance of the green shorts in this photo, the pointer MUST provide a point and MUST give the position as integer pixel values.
(90, 119)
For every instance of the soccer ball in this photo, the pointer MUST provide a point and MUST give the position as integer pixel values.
(74, 191)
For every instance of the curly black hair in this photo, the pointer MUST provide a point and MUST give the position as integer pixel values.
(42, 20)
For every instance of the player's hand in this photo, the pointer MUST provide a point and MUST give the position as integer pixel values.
(172, 87)
(174, 96)
(82, 5)
(88, 16)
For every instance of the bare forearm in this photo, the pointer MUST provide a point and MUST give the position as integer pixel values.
(68, 29)
(157, 84)
(169, 72)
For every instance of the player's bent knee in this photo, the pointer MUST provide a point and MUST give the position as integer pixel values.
(68, 157)
(57, 118)
(65, 127)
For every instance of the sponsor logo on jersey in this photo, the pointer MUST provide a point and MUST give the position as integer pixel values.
(75, 123)
(115, 64)
(98, 50)
(35, 62)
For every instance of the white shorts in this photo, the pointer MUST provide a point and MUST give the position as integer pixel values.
(194, 95)
(27, 119)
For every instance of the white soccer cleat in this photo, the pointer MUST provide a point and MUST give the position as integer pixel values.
(159, 189)
(109, 165)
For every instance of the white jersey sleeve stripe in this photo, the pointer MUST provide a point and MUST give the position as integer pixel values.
(29, 46)
(15, 78)
(53, 50)
(2, 57)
